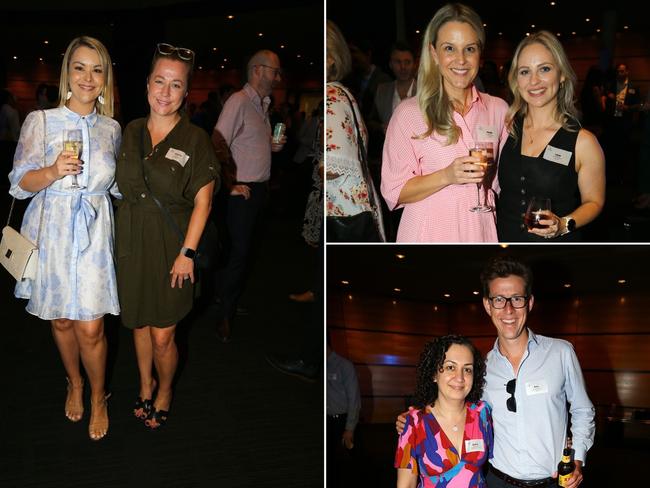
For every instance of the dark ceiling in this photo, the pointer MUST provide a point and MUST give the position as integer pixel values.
(505, 19)
(426, 273)
(200, 25)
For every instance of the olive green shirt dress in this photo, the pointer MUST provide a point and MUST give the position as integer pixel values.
(146, 243)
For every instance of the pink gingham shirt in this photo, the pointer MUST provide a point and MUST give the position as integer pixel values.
(244, 124)
(444, 216)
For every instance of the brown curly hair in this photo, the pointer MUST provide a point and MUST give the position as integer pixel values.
(431, 360)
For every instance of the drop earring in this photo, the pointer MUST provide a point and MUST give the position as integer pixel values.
(100, 99)
(69, 95)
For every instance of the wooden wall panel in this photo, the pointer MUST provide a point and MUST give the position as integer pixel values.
(382, 409)
(614, 352)
(386, 380)
(608, 388)
(611, 336)
(380, 313)
(618, 313)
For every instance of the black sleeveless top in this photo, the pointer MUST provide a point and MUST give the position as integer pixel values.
(522, 177)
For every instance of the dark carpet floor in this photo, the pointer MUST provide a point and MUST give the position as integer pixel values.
(234, 422)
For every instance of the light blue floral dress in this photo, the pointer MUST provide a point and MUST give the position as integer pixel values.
(76, 272)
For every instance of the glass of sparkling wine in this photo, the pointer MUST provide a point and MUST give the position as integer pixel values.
(72, 142)
(485, 153)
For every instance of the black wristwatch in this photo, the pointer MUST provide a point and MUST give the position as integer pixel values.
(188, 253)
(569, 224)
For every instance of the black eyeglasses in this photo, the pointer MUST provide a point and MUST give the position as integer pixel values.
(276, 71)
(511, 402)
(517, 301)
(182, 52)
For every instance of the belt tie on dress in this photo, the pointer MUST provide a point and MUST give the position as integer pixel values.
(83, 214)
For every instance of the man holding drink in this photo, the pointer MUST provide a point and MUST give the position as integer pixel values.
(245, 127)
(532, 383)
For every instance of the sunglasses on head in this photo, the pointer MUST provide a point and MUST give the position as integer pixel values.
(182, 52)
(511, 402)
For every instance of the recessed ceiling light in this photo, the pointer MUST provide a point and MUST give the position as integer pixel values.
(622, 282)
(447, 295)
(400, 256)
(397, 289)
(349, 297)
(281, 46)
(394, 302)
(46, 42)
(475, 293)
(345, 282)
(567, 285)
(260, 34)
(626, 27)
(230, 17)
(417, 31)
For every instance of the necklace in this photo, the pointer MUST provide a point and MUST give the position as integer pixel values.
(439, 414)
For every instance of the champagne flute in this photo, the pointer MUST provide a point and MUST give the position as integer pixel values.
(484, 151)
(538, 209)
(73, 142)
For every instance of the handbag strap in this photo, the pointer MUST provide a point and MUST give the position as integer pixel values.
(13, 201)
(363, 155)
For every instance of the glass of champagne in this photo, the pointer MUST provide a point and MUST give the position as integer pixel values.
(72, 142)
(538, 209)
(484, 151)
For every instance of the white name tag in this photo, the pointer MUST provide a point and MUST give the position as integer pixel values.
(556, 155)
(486, 133)
(536, 387)
(177, 155)
(474, 445)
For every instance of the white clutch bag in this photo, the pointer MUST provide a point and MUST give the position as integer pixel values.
(18, 255)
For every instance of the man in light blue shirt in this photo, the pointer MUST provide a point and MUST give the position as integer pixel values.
(530, 382)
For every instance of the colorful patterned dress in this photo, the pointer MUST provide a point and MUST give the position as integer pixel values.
(425, 449)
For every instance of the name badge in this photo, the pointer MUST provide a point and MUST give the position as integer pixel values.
(486, 133)
(536, 387)
(474, 445)
(177, 155)
(555, 155)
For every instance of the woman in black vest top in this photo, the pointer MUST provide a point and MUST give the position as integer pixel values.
(547, 153)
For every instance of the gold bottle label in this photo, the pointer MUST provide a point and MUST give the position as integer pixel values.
(563, 479)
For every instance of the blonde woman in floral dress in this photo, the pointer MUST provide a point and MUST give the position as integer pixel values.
(347, 190)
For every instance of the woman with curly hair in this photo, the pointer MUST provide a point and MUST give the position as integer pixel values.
(448, 437)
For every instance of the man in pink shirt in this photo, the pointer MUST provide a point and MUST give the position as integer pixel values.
(245, 127)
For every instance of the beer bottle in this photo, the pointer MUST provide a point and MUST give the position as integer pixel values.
(565, 468)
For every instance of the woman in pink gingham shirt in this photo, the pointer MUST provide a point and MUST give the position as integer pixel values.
(426, 164)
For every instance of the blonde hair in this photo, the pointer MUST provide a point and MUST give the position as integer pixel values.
(107, 67)
(565, 112)
(435, 105)
(339, 52)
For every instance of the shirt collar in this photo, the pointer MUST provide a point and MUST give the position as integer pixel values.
(90, 119)
(532, 339)
(477, 96)
(255, 97)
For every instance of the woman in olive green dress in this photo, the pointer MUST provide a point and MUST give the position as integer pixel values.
(155, 271)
